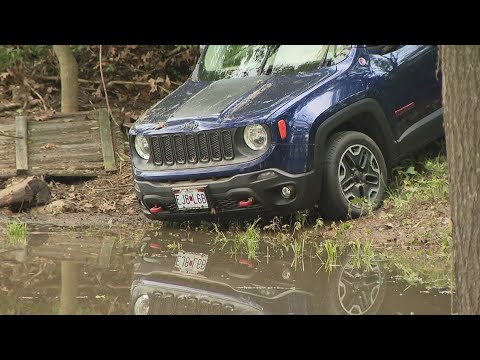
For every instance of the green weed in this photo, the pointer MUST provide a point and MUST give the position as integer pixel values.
(298, 248)
(362, 256)
(331, 250)
(11, 55)
(16, 232)
(319, 224)
(429, 183)
(243, 242)
(250, 239)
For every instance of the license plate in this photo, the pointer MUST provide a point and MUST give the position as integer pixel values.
(191, 263)
(191, 198)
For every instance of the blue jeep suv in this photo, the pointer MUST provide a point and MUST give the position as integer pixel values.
(270, 129)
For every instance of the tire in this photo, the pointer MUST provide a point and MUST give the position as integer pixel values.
(354, 176)
(355, 291)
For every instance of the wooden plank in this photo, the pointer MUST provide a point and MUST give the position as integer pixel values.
(70, 166)
(106, 137)
(52, 158)
(7, 149)
(8, 165)
(84, 145)
(61, 172)
(65, 133)
(63, 139)
(62, 125)
(7, 172)
(6, 121)
(106, 251)
(8, 129)
(21, 149)
(66, 148)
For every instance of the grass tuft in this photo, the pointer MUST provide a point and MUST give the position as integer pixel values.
(16, 232)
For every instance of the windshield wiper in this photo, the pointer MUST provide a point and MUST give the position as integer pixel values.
(270, 51)
(325, 57)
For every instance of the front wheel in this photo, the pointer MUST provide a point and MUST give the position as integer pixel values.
(354, 176)
(355, 288)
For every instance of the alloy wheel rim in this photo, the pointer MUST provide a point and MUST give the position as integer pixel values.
(359, 174)
(358, 288)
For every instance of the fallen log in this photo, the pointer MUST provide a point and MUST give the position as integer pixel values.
(31, 191)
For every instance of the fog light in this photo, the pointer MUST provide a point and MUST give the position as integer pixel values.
(142, 305)
(286, 274)
(266, 175)
(288, 192)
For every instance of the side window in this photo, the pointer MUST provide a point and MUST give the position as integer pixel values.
(382, 49)
(338, 53)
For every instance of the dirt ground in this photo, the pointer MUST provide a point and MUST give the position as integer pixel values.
(110, 201)
(95, 202)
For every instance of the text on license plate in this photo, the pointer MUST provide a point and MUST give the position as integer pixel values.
(191, 199)
(193, 263)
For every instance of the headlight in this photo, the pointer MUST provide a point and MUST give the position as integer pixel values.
(141, 146)
(142, 305)
(255, 137)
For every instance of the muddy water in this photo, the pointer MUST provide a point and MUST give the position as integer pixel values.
(82, 271)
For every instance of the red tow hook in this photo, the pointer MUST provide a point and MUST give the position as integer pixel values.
(246, 203)
(156, 209)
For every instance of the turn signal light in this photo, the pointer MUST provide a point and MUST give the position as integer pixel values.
(282, 128)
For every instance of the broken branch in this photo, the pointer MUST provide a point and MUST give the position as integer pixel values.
(7, 107)
(108, 84)
(36, 93)
(56, 78)
(105, 88)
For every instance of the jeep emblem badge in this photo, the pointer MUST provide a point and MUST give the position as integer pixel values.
(192, 125)
(362, 61)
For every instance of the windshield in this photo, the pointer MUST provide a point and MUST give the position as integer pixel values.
(227, 61)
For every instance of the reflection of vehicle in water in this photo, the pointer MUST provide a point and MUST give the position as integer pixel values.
(75, 271)
(200, 277)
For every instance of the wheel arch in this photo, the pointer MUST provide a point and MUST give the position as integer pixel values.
(365, 116)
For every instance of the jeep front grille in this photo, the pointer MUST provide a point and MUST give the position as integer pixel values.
(191, 148)
(183, 302)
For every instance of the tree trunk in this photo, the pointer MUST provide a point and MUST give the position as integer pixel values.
(461, 103)
(31, 191)
(69, 290)
(68, 77)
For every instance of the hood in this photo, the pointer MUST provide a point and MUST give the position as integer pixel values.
(235, 98)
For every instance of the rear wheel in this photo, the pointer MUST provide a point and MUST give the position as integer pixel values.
(354, 176)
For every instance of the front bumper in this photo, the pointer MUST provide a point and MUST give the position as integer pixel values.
(225, 194)
(172, 299)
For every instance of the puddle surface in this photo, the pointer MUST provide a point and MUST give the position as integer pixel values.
(78, 271)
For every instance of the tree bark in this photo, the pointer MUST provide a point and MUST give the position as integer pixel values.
(31, 191)
(461, 104)
(68, 77)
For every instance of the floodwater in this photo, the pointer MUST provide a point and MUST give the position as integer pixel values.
(84, 271)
